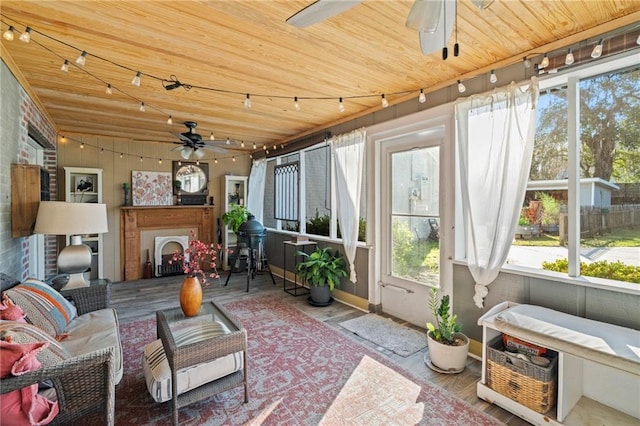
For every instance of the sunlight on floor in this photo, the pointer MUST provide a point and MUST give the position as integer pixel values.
(375, 395)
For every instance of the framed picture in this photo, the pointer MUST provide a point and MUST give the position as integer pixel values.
(83, 183)
(151, 188)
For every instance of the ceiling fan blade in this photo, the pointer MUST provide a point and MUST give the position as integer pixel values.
(181, 137)
(430, 42)
(178, 148)
(424, 15)
(319, 11)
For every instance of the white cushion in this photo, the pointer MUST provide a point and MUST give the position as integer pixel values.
(605, 343)
(95, 330)
(158, 374)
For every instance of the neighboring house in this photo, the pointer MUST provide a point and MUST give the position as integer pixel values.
(594, 192)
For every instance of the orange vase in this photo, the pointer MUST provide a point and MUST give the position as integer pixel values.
(190, 296)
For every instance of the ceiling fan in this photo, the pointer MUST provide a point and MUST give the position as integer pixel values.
(433, 19)
(192, 143)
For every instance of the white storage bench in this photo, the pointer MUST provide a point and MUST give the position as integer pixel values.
(598, 364)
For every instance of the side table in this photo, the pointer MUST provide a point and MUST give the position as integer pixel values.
(201, 349)
(297, 289)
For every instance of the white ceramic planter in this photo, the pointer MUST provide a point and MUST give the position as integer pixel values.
(446, 357)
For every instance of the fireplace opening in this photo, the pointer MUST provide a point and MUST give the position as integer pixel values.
(165, 247)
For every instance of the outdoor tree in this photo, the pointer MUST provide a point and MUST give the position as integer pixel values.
(609, 130)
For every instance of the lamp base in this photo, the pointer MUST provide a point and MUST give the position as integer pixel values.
(75, 260)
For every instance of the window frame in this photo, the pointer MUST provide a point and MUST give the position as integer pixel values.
(571, 79)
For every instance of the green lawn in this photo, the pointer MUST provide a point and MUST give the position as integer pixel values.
(618, 238)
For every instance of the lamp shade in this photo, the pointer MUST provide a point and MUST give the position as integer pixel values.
(62, 218)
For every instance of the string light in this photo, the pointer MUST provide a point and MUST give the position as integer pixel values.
(241, 144)
(197, 162)
(461, 87)
(121, 155)
(179, 162)
(108, 90)
(545, 62)
(82, 59)
(228, 141)
(569, 59)
(267, 152)
(492, 77)
(247, 101)
(211, 137)
(264, 146)
(65, 66)
(597, 50)
(9, 34)
(101, 150)
(385, 102)
(422, 98)
(254, 145)
(233, 158)
(296, 104)
(142, 107)
(82, 145)
(26, 35)
(159, 160)
(341, 106)
(170, 120)
(638, 39)
(215, 161)
(141, 160)
(527, 62)
(136, 79)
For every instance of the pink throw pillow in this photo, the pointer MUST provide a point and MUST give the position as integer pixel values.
(24, 406)
(9, 311)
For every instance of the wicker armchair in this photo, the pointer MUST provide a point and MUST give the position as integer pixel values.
(84, 384)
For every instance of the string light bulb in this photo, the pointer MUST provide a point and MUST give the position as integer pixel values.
(241, 144)
(81, 145)
(108, 90)
(461, 87)
(141, 159)
(136, 79)
(65, 66)
(422, 98)
(597, 50)
(9, 34)
(26, 35)
(215, 160)
(341, 105)
(247, 101)
(228, 141)
(101, 150)
(179, 162)
(492, 77)
(385, 102)
(569, 59)
(264, 147)
(159, 160)
(254, 145)
(170, 120)
(197, 162)
(638, 39)
(121, 155)
(527, 62)
(82, 59)
(233, 158)
(545, 62)
(211, 137)
(296, 104)
(142, 107)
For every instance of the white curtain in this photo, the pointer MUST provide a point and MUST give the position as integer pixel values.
(255, 195)
(495, 145)
(348, 155)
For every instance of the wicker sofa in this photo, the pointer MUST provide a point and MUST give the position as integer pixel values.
(85, 379)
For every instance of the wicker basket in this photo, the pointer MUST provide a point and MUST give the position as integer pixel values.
(530, 385)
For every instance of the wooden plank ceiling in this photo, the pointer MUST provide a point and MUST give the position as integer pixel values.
(225, 49)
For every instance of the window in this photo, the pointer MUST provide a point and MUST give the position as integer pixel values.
(607, 167)
(314, 188)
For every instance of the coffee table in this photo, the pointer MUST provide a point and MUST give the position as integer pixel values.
(201, 350)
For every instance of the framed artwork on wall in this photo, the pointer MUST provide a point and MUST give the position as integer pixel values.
(151, 188)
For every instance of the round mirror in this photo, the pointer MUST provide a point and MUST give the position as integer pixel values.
(192, 177)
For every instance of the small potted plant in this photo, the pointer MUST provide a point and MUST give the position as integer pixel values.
(448, 347)
(322, 270)
(236, 216)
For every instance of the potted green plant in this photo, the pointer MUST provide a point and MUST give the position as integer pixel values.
(448, 346)
(236, 216)
(322, 270)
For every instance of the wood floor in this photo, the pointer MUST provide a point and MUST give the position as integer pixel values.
(140, 299)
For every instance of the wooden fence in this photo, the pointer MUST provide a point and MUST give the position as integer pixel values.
(595, 221)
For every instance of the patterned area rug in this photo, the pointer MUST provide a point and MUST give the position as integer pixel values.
(387, 333)
(301, 372)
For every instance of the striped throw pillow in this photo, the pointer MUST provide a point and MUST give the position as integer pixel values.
(22, 333)
(158, 374)
(44, 306)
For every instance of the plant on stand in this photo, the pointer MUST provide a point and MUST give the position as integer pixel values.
(236, 216)
(448, 347)
(322, 270)
(192, 259)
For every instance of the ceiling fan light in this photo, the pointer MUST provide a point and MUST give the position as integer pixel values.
(186, 152)
(424, 16)
(199, 153)
(9, 34)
